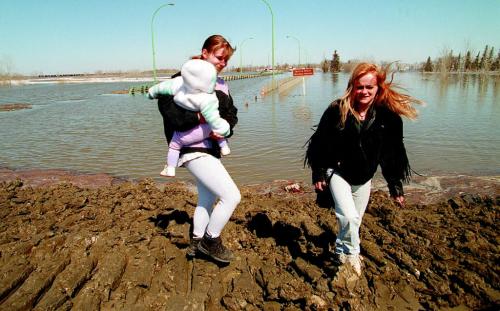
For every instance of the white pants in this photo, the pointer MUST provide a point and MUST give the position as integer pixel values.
(213, 181)
(350, 206)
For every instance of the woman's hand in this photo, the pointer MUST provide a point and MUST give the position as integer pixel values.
(319, 185)
(400, 200)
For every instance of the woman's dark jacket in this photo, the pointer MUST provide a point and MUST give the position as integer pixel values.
(176, 118)
(355, 150)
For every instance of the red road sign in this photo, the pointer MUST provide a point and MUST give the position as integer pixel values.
(303, 72)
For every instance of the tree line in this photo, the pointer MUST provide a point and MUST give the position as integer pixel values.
(448, 62)
(483, 61)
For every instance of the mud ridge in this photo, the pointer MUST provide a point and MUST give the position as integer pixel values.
(122, 245)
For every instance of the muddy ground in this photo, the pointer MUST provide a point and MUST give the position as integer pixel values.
(91, 242)
(14, 106)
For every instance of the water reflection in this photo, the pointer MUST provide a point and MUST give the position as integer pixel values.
(496, 86)
(303, 112)
(335, 77)
(464, 81)
(481, 86)
(483, 82)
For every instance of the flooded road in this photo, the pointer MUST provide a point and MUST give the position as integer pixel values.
(86, 128)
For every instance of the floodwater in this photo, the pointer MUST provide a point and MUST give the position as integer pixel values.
(85, 128)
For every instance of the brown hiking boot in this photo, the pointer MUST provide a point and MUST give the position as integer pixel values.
(193, 247)
(213, 247)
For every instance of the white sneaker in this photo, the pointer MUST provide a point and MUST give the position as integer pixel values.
(355, 262)
(225, 150)
(168, 171)
(342, 258)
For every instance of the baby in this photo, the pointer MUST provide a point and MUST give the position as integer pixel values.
(193, 90)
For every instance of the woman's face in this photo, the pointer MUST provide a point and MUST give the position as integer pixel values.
(365, 89)
(218, 58)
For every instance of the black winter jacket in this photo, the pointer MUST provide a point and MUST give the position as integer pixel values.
(355, 151)
(176, 118)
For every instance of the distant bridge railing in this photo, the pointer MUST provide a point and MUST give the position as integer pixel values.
(62, 75)
(143, 89)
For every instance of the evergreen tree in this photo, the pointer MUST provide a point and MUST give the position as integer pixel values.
(428, 65)
(467, 62)
(482, 62)
(457, 62)
(490, 55)
(489, 60)
(495, 66)
(335, 64)
(449, 61)
(475, 64)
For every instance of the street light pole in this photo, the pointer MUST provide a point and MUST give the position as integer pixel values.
(272, 30)
(298, 41)
(153, 37)
(241, 51)
(306, 56)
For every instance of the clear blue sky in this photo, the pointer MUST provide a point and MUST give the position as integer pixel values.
(73, 36)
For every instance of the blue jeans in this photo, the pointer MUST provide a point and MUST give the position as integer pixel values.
(350, 206)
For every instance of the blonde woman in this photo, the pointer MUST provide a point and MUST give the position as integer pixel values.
(358, 132)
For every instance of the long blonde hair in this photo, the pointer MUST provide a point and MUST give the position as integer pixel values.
(386, 95)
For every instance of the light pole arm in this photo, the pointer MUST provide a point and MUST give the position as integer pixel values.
(298, 42)
(272, 35)
(241, 51)
(153, 37)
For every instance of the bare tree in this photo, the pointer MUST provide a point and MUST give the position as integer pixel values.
(325, 64)
(445, 61)
(6, 66)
